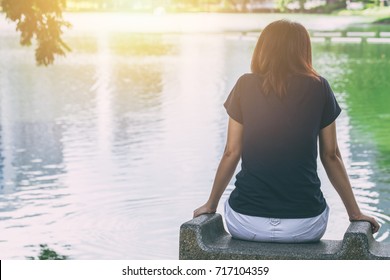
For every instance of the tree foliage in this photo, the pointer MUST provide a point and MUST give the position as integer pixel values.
(40, 20)
(48, 254)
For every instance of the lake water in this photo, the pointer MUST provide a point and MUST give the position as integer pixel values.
(105, 154)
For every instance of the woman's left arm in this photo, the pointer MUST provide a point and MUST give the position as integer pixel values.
(226, 168)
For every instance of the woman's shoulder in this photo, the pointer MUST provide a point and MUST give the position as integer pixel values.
(314, 81)
(249, 78)
(322, 83)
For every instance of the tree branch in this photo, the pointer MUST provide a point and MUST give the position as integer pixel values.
(40, 20)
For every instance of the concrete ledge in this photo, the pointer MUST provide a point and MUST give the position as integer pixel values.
(205, 238)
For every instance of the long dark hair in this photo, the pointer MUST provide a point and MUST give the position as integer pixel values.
(282, 49)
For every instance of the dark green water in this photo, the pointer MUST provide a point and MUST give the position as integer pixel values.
(360, 74)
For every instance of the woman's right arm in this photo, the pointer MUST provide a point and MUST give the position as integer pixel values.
(334, 166)
(226, 168)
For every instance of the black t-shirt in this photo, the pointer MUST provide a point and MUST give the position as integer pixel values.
(278, 176)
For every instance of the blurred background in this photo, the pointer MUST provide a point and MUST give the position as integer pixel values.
(316, 6)
(106, 152)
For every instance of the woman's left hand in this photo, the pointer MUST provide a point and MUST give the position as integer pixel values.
(374, 224)
(204, 209)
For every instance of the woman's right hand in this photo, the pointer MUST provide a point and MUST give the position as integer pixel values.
(374, 224)
(204, 209)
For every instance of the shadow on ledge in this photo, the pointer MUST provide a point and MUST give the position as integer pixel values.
(204, 238)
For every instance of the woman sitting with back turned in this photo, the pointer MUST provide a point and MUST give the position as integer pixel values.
(277, 113)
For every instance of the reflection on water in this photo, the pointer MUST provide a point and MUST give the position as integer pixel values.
(358, 73)
(105, 154)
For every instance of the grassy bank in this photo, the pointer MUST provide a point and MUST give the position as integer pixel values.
(381, 14)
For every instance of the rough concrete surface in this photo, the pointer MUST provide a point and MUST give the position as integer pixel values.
(205, 238)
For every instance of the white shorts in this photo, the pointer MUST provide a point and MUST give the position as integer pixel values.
(262, 229)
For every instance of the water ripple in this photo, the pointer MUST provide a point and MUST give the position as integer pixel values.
(107, 161)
